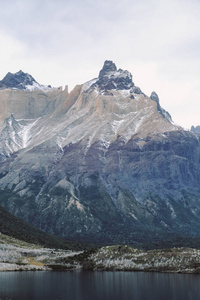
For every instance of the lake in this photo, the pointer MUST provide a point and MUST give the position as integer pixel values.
(85, 285)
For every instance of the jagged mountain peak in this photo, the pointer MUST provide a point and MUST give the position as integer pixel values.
(196, 129)
(110, 78)
(108, 67)
(20, 81)
(162, 111)
(154, 96)
(17, 80)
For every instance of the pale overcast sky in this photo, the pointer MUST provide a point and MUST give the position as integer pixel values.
(66, 42)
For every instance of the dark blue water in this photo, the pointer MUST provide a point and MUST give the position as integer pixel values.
(98, 286)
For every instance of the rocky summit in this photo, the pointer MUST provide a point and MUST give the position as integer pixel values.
(103, 164)
(111, 78)
(19, 80)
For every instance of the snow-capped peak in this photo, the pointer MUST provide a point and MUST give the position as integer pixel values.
(21, 81)
(110, 78)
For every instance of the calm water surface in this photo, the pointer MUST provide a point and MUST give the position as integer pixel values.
(82, 285)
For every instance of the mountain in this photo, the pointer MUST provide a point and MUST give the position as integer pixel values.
(104, 163)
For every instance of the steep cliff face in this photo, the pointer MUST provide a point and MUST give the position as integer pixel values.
(104, 163)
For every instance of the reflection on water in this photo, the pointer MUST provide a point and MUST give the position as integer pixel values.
(79, 285)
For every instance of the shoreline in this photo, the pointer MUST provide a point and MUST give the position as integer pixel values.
(108, 258)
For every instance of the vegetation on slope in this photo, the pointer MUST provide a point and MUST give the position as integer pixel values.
(16, 228)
